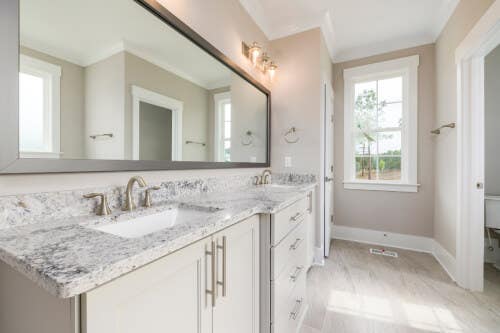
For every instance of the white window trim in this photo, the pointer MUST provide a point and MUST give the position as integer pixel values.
(51, 73)
(218, 100)
(408, 68)
(143, 95)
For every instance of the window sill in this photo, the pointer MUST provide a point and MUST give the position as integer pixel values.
(381, 186)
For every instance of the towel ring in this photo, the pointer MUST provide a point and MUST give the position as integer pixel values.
(247, 140)
(291, 133)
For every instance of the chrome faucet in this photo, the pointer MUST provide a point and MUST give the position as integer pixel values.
(129, 200)
(264, 178)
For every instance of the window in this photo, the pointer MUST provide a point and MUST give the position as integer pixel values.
(223, 127)
(380, 126)
(39, 94)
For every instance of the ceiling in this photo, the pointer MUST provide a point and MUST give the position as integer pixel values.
(85, 32)
(355, 28)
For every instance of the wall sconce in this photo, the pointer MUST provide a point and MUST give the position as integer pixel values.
(254, 53)
(259, 58)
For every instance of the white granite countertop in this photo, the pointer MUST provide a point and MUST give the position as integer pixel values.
(67, 258)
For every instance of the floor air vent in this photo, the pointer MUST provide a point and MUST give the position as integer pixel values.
(384, 253)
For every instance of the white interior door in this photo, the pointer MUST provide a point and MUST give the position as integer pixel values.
(328, 167)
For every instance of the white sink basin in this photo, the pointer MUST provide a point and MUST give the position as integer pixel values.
(142, 225)
(277, 186)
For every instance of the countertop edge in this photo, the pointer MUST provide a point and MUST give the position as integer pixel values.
(92, 280)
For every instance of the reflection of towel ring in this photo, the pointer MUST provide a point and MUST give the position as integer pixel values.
(247, 140)
(290, 134)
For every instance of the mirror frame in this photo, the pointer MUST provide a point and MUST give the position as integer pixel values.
(10, 163)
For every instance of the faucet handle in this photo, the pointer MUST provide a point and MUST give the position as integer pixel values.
(147, 198)
(103, 207)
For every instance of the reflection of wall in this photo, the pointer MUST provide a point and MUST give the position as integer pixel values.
(248, 113)
(104, 105)
(492, 122)
(72, 99)
(141, 73)
(155, 130)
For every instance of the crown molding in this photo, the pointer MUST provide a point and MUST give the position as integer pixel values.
(382, 47)
(325, 23)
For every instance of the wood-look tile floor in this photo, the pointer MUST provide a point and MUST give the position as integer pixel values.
(356, 292)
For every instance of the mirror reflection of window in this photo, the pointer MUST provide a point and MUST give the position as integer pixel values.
(39, 91)
(223, 127)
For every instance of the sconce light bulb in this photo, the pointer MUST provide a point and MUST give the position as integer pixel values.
(272, 70)
(254, 53)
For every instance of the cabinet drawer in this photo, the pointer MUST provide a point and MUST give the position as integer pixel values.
(288, 311)
(290, 277)
(288, 218)
(291, 251)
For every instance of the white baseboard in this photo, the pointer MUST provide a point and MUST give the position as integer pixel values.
(400, 241)
(446, 260)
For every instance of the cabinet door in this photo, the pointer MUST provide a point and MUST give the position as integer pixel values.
(237, 302)
(168, 295)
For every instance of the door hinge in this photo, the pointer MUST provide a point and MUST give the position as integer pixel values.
(331, 218)
(331, 118)
(331, 168)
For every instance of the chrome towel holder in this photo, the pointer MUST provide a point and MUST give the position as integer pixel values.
(291, 132)
(437, 131)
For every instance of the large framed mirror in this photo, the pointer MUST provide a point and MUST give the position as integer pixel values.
(122, 85)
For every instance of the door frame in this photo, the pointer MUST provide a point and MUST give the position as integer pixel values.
(144, 95)
(470, 55)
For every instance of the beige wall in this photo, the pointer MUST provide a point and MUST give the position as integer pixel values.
(296, 101)
(461, 22)
(224, 23)
(304, 64)
(146, 75)
(72, 101)
(406, 213)
(492, 122)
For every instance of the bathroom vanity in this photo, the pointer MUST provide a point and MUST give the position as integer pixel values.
(232, 260)
(86, 91)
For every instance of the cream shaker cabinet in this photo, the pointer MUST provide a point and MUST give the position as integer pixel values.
(288, 245)
(209, 286)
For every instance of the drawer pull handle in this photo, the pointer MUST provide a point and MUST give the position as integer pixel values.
(296, 309)
(296, 274)
(296, 217)
(213, 291)
(295, 244)
(223, 283)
